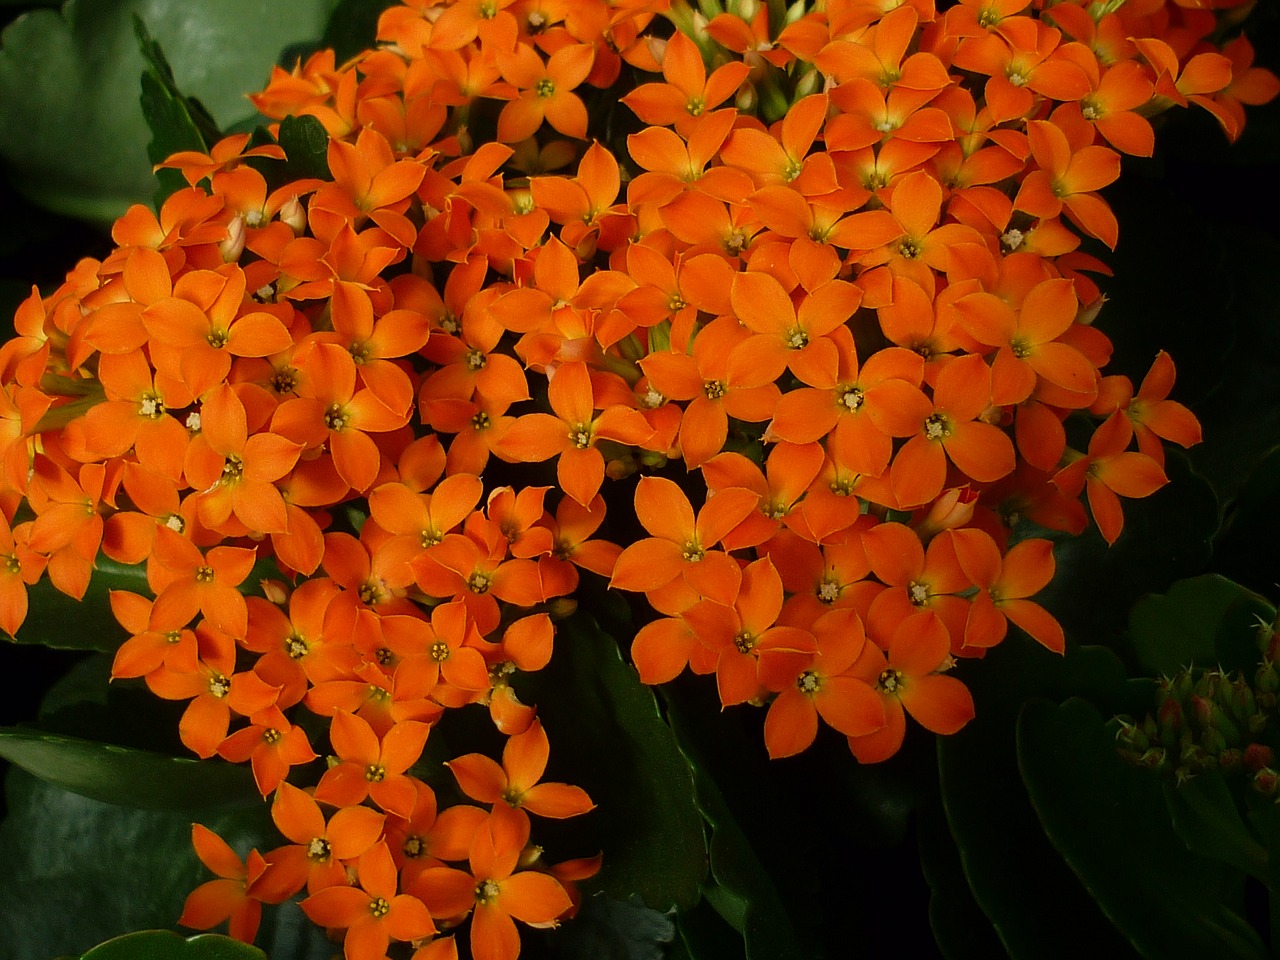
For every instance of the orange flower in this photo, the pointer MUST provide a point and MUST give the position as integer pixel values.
(373, 913)
(20, 566)
(372, 767)
(271, 744)
(749, 642)
(1070, 169)
(234, 473)
(574, 431)
(315, 857)
(981, 451)
(546, 91)
(187, 582)
(680, 544)
(494, 889)
(1109, 471)
(910, 678)
(822, 688)
(515, 782)
(688, 92)
(1152, 416)
(227, 898)
(1004, 585)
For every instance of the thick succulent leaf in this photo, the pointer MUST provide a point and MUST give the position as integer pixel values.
(167, 945)
(960, 928)
(608, 737)
(75, 872)
(1100, 814)
(72, 132)
(56, 620)
(1204, 814)
(125, 775)
(742, 889)
(1181, 628)
(306, 148)
(352, 26)
(1033, 900)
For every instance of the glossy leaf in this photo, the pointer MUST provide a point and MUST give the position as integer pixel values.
(56, 620)
(960, 928)
(175, 121)
(72, 132)
(352, 26)
(125, 775)
(166, 945)
(608, 929)
(609, 738)
(1098, 813)
(1035, 903)
(1204, 814)
(743, 890)
(75, 872)
(1179, 629)
(306, 146)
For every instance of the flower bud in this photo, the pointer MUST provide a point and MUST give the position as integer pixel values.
(294, 215)
(1231, 760)
(954, 508)
(810, 82)
(1257, 756)
(233, 244)
(1265, 781)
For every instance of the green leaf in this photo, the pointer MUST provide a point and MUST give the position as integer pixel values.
(352, 26)
(1204, 814)
(176, 122)
(56, 620)
(743, 891)
(1095, 585)
(607, 736)
(125, 775)
(1179, 629)
(1035, 903)
(1099, 814)
(608, 929)
(75, 872)
(960, 928)
(167, 945)
(306, 148)
(72, 133)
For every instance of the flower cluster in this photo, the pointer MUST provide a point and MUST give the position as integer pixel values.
(831, 283)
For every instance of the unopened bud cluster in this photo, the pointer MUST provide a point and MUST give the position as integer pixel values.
(1208, 720)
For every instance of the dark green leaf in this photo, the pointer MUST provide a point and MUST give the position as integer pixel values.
(1099, 814)
(199, 131)
(306, 148)
(56, 620)
(352, 26)
(1204, 814)
(1179, 629)
(72, 133)
(76, 872)
(167, 945)
(124, 775)
(175, 121)
(961, 929)
(1035, 903)
(742, 890)
(607, 736)
(1095, 585)
(608, 929)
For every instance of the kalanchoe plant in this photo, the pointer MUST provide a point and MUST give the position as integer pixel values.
(778, 319)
